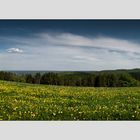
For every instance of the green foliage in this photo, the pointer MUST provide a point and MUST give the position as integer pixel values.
(20, 101)
(91, 79)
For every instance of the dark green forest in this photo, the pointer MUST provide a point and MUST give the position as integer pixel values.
(108, 78)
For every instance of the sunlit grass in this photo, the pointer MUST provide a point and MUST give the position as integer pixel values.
(20, 101)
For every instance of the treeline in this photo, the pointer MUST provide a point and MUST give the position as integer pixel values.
(93, 79)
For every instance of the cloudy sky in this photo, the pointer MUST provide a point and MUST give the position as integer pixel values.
(69, 44)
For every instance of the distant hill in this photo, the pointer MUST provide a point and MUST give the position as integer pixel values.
(136, 70)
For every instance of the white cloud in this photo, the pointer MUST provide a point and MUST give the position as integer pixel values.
(65, 51)
(100, 42)
(68, 39)
(14, 50)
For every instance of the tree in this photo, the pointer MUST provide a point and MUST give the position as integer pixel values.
(29, 78)
(37, 78)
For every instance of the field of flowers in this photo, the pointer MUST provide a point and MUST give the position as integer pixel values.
(20, 101)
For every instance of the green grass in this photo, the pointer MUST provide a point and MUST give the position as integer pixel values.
(20, 101)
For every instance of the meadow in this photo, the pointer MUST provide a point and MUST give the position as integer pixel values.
(22, 101)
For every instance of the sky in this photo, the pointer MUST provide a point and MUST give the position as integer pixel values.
(69, 45)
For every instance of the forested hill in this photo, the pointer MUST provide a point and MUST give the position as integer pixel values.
(106, 78)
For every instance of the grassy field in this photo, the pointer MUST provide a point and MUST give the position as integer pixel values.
(20, 101)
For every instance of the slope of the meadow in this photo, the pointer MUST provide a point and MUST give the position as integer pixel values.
(20, 101)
